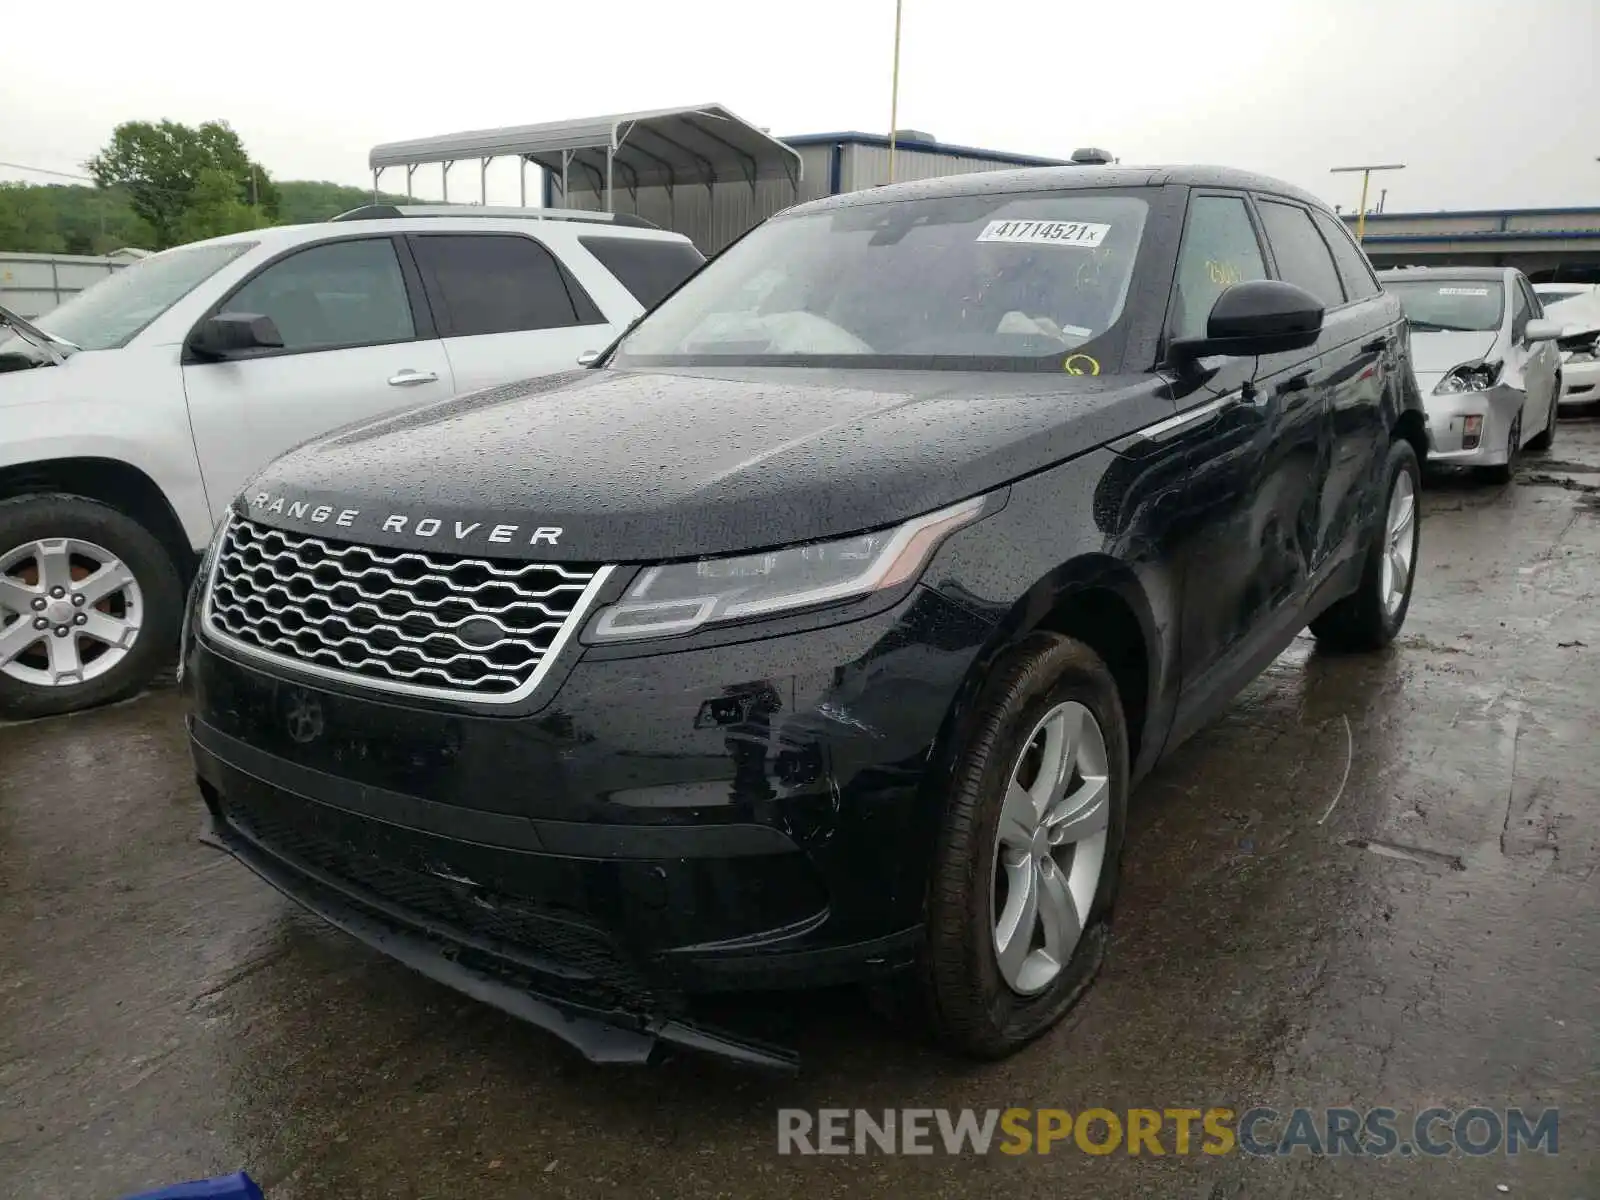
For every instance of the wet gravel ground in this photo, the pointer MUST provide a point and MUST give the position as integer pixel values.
(1433, 939)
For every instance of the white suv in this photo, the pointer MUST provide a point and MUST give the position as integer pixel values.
(142, 406)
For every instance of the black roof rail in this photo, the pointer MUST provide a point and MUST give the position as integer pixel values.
(389, 212)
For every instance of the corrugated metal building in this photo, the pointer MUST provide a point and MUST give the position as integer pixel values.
(701, 170)
(33, 284)
(831, 163)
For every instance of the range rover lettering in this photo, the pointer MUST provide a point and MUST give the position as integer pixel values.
(894, 549)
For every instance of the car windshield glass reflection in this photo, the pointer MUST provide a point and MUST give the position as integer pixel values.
(1019, 281)
(109, 314)
(1454, 305)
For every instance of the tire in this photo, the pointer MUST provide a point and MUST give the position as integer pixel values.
(968, 1004)
(1504, 472)
(1364, 620)
(1547, 436)
(143, 613)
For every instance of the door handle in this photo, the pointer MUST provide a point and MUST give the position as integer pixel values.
(1376, 344)
(410, 378)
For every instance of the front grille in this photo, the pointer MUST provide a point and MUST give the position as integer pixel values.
(582, 962)
(405, 620)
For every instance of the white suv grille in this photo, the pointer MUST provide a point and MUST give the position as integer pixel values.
(417, 622)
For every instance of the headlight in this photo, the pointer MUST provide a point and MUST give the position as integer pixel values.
(681, 597)
(1469, 377)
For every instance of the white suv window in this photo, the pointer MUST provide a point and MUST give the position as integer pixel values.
(332, 296)
(483, 283)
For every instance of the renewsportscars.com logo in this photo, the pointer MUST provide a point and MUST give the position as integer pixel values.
(1262, 1132)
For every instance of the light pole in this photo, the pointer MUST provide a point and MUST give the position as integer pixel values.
(894, 89)
(1366, 176)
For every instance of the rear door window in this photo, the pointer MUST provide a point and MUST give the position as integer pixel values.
(650, 270)
(482, 283)
(1354, 269)
(1303, 257)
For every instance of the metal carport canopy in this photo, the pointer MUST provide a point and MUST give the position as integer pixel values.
(703, 144)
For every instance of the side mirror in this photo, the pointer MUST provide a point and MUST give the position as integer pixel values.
(228, 334)
(1260, 316)
(1541, 331)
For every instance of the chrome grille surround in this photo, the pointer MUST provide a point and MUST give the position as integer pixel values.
(394, 620)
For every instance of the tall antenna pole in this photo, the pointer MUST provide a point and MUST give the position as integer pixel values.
(894, 89)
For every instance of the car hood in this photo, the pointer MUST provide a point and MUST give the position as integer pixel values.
(637, 466)
(27, 376)
(1436, 353)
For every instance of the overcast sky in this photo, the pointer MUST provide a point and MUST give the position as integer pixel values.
(1490, 103)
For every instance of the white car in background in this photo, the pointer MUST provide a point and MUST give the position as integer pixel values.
(1576, 308)
(133, 414)
(1555, 293)
(1485, 360)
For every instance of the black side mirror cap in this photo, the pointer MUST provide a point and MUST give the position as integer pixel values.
(229, 334)
(1259, 316)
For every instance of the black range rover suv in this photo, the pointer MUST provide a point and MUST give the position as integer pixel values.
(820, 629)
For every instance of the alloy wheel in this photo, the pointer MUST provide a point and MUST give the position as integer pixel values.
(70, 611)
(1400, 542)
(1050, 848)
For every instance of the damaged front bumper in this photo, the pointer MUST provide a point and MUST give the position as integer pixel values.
(738, 817)
(476, 969)
(1497, 407)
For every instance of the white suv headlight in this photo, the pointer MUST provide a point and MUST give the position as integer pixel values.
(681, 597)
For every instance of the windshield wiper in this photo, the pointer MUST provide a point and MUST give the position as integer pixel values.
(58, 349)
(1435, 327)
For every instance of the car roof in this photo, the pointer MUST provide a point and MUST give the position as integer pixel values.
(1070, 177)
(1500, 273)
(278, 236)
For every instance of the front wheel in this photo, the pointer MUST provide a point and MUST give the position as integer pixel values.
(90, 604)
(1370, 617)
(1026, 870)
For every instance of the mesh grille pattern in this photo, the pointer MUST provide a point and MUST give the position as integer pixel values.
(477, 626)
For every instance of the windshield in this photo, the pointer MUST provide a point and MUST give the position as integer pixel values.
(1021, 281)
(107, 315)
(1451, 305)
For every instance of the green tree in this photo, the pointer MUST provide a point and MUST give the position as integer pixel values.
(304, 200)
(161, 165)
(214, 208)
(28, 220)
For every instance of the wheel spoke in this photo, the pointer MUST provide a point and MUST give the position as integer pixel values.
(1062, 734)
(1058, 916)
(16, 596)
(65, 665)
(111, 578)
(15, 638)
(1400, 523)
(1019, 818)
(55, 564)
(113, 631)
(1013, 934)
(1400, 568)
(1083, 814)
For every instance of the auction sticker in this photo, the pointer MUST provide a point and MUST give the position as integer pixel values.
(1046, 233)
